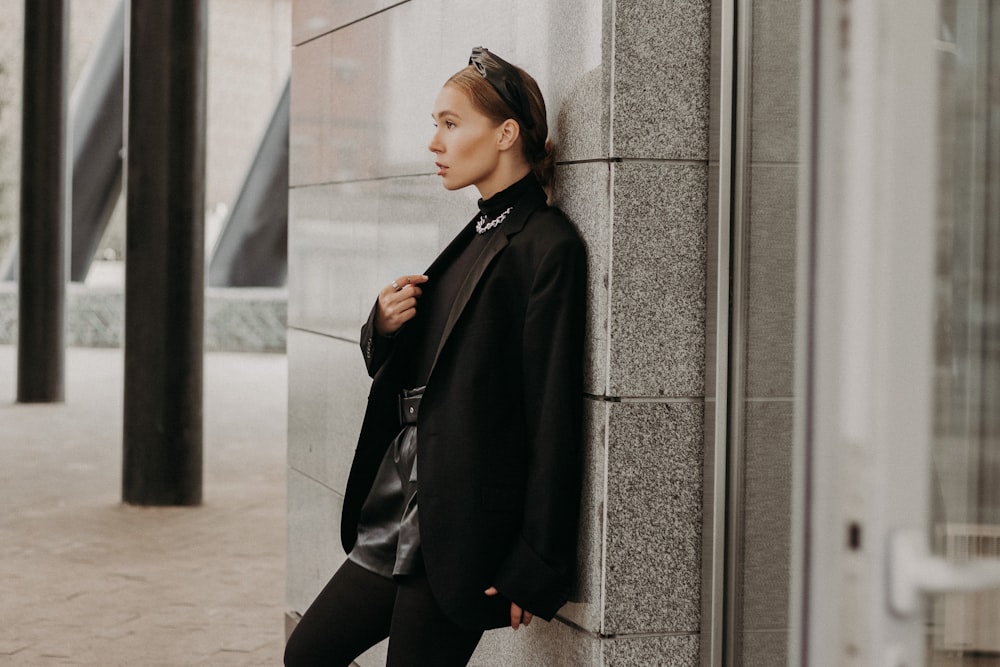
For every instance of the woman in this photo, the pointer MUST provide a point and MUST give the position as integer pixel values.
(479, 361)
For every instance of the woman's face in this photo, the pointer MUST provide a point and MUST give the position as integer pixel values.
(465, 143)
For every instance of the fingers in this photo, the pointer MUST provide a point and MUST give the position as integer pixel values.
(403, 285)
(518, 616)
(393, 314)
(403, 281)
(397, 303)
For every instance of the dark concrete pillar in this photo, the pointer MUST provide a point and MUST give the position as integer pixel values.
(41, 357)
(164, 270)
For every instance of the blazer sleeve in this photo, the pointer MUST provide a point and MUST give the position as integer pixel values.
(374, 347)
(538, 571)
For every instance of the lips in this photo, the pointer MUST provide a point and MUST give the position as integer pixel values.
(441, 168)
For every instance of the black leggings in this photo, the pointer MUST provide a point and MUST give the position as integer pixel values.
(359, 608)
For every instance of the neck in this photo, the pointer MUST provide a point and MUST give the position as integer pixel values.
(504, 176)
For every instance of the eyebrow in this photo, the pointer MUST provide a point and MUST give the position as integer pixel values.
(444, 113)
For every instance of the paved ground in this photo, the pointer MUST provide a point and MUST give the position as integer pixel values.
(85, 580)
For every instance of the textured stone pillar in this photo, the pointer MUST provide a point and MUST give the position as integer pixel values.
(42, 262)
(164, 276)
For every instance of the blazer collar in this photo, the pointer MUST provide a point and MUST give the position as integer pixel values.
(498, 240)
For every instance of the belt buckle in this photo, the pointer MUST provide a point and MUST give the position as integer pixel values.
(409, 408)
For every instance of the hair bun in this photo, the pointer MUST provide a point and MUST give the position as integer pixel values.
(544, 164)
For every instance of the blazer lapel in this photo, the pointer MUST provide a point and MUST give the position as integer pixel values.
(454, 247)
(497, 242)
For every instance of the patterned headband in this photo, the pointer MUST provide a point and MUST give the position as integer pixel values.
(506, 80)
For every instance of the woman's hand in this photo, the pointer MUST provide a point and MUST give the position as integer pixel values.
(397, 304)
(518, 616)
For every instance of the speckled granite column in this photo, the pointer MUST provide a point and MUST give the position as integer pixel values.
(628, 93)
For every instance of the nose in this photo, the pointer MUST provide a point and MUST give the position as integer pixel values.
(435, 144)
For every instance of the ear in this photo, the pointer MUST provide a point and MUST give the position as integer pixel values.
(509, 132)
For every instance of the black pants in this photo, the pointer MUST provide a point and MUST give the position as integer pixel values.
(359, 608)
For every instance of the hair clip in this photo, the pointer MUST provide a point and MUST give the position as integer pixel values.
(506, 80)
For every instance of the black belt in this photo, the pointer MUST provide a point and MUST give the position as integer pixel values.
(409, 405)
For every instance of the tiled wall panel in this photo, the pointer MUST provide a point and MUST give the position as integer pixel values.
(583, 191)
(314, 551)
(767, 543)
(326, 400)
(771, 280)
(551, 644)
(762, 649)
(348, 240)
(672, 650)
(653, 539)
(586, 607)
(658, 259)
(661, 92)
(775, 72)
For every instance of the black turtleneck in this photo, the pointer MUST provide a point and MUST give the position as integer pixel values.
(509, 196)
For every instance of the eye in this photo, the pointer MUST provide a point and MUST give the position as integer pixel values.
(449, 124)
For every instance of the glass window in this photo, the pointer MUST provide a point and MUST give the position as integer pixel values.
(965, 628)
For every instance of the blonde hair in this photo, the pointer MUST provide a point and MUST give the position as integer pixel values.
(538, 149)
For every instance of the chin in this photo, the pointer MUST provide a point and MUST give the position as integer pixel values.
(453, 185)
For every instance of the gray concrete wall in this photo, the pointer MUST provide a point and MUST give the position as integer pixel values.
(627, 86)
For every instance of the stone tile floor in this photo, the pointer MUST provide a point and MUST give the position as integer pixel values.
(85, 580)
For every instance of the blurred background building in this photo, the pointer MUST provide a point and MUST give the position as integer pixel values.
(245, 86)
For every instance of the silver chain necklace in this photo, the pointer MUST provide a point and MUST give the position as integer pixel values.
(482, 226)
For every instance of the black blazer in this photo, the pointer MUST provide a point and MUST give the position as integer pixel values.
(499, 429)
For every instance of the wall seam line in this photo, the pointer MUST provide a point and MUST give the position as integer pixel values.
(349, 24)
